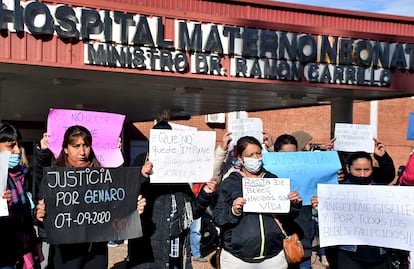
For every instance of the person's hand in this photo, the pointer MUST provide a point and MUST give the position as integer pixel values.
(40, 210)
(315, 202)
(295, 198)
(141, 203)
(341, 175)
(330, 145)
(119, 143)
(379, 149)
(267, 140)
(7, 195)
(226, 141)
(210, 186)
(237, 207)
(146, 169)
(44, 142)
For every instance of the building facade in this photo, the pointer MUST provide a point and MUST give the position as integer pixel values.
(302, 67)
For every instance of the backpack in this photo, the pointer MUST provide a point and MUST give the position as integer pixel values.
(209, 235)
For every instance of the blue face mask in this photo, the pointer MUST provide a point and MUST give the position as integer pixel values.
(14, 160)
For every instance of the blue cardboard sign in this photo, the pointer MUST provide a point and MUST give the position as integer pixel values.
(410, 130)
(305, 169)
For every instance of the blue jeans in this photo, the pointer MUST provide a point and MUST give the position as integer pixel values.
(195, 237)
(306, 264)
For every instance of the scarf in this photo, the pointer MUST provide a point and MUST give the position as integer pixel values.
(15, 182)
(359, 180)
(20, 214)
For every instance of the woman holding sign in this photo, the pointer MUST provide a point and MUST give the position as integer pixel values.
(76, 152)
(360, 169)
(170, 209)
(250, 240)
(21, 248)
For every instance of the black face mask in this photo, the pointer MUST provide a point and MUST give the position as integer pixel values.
(360, 180)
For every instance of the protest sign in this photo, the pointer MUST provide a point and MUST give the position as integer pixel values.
(104, 127)
(4, 170)
(4, 173)
(354, 137)
(366, 215)
(410, 129)
(305, 169)
(266, 195)
(4, 208)
(91, 204)
(181, 127)
(181, 156)
(243, 127)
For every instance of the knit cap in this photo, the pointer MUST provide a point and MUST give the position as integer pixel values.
(303, 139)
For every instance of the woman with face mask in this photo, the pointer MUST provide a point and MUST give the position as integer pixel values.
(250, 240)
(359, 166)
(360, 172)
(21, 248)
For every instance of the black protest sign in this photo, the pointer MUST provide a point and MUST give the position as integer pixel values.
(91, 204)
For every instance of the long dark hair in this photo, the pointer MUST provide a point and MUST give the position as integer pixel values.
(244, 141)
(71, 134)
(358, 155)
(285, 139)
(8, 133)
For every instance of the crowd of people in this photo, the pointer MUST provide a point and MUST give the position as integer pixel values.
(171, 213)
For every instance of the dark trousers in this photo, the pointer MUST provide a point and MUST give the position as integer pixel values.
(346, 262)
(81, 256)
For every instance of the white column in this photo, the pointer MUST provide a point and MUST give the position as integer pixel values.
(373, 117)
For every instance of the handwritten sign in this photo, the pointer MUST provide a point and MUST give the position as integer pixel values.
(4, 208)
(91, 204)
(266, 195)
(366, 215)
(410, 130)
(354, 137)
(181, 156)
(181, 127)
(104, 127)
(245, 127)
(4, 170)
(305, 169)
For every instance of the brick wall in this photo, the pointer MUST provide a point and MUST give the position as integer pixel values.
(392, 124)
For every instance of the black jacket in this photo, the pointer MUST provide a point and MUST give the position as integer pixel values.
(79, 252)
(242, 235)
(384, 174)
(43, 158)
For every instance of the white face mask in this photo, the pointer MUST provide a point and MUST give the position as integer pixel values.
(252, 165)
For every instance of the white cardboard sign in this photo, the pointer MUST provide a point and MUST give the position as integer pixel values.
(372, 215)
(181, 156)
(266, 195)
(243, 127)
(354, 137)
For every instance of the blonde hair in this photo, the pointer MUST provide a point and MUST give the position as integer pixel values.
(24, 160)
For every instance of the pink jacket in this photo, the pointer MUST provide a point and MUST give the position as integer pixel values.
(407, 178)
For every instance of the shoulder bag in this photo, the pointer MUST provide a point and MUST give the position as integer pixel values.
(292, 246)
